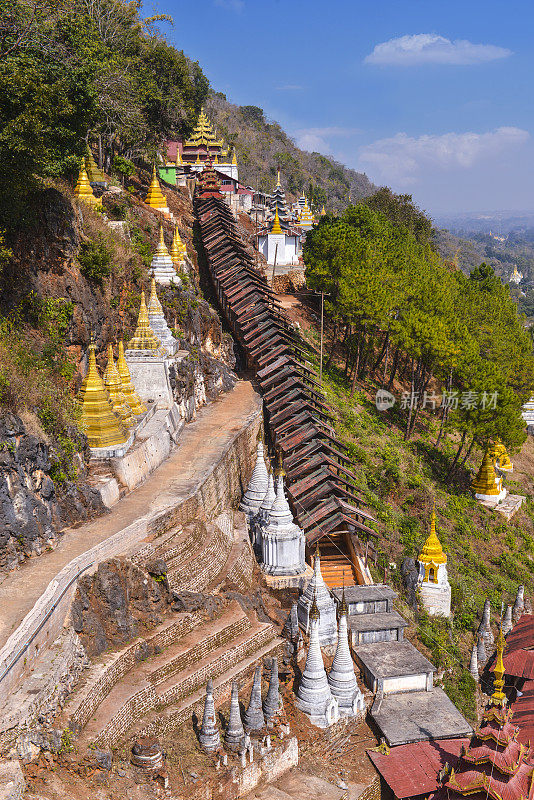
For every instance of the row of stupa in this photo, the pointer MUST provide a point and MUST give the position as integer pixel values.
(164, 263)
(484, 639)
(488, 484)
(111, 405)
(258, 715)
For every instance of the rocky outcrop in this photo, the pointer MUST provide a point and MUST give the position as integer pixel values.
(36, 499)
(113, 605)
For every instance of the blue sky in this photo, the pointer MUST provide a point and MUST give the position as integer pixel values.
(432, 98)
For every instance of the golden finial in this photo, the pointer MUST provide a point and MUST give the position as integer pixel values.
(234, 159)
(161, 249)
(498, 698)
(144, 337)
(112, 382)
(177, 248)
(280, 470)
(323, 211)
(314, 611)
(278, 184)
(155, 197)
(83, 189)
(100, 424)
(154, 306)
(179, 161)
(343, 607)
(276, 224)
(137, 406)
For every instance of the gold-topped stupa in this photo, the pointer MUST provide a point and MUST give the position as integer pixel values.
(178, 250)
(83, 189)
(94, 173)
(113, 384)
(276, 224)
(432, 552)
(155, 197)
(137, 406)
(101, 425)
(144, 338)
(323, 212)
(486, 482)
(305, 216)
(203, 134)
(502, 458)
(234, 159)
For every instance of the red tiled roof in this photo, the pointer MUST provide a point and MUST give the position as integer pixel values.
(412, 769)
(523, 709)
(498, 786)
(519, 652)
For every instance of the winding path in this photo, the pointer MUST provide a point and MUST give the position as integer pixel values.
(201, 444)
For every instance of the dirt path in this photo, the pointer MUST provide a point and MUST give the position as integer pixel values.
(201, 445)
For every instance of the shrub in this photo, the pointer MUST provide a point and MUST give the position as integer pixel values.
(95, 259)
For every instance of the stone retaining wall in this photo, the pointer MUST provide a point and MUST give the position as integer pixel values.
(220, 487)
(117, 665)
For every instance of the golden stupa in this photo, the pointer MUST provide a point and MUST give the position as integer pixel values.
(234, 159)
(83, 189)
(323, 212)
(276, 224)
(128, 389)
(179, 161)
(486, 481)
(144, 338)
(94, 173)
(178, 250)
(112, 382)
(501, 456)
(161, 249)
(155, 197)
(432, 552)
(101, 425)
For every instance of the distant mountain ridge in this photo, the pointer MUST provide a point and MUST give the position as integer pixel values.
(262, 146)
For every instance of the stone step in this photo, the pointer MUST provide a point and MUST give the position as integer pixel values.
(180, 686)
(163, 723)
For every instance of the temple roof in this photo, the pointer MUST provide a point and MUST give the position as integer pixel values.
(203, 134)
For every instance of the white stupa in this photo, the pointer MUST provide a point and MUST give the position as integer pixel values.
(341, 678)
(161, 265)
(257, 487)
(314, 697)
(318, 590)
(262, 517)
(158, 323)
(283, 542)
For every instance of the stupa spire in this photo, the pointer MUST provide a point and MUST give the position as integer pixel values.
(235, 733)
(498, 698)
(254, 719)
(128, 389)
(144, 338)
(432, 552)
(473, 663)
(112, 382)
(271, 706)
(277, 228)
(83, 189)
(257, 486)
(317, 589)
(314, 697)
(178, 250)
(209, 737)
(155, 197)
(101, 425)
(342, 678)
(162, 265)
(158, 323)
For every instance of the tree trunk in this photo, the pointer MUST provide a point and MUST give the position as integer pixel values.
(393, 369)
(332, 349)
(100, 156)
(348, 331)
(452, 468)
(355, 376)
(382, 353)
(444, 413)
(410, 410)
(468, 452)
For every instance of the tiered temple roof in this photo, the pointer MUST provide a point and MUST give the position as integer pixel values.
(208, 183)
(203, 142)
(277, 201)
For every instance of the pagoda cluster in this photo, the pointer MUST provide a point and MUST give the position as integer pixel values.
(484, 639)
(111, 405)
(278, 541)
(260, 717)
(488, 485)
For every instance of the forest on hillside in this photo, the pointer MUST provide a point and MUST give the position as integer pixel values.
(262, 147)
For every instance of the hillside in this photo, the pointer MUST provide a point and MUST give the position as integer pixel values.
(471, 248)
(262, 146)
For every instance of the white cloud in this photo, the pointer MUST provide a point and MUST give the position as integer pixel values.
(316, 139)
(231, 5)
(429, 48)
(402, 158)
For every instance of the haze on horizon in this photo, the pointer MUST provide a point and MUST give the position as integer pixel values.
(431, 99)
